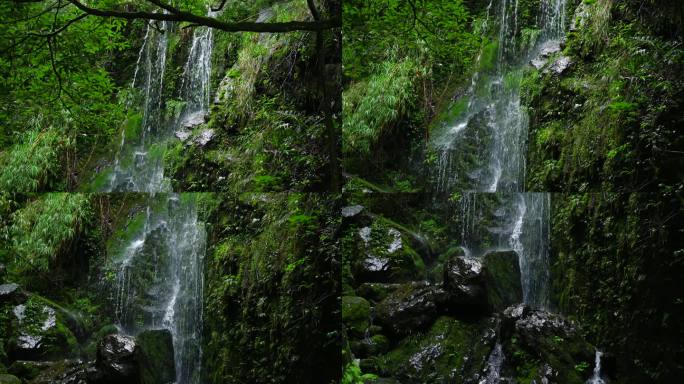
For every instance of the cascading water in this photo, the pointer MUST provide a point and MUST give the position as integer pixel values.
(136, 168)
(159, 276)
(493, 127)
(596, 376)
(494, 364)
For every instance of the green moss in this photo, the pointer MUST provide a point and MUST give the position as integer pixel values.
(489, 56)
(154, 353)
(449, 346)
(9, 379)
(356, 313)
(132, 127)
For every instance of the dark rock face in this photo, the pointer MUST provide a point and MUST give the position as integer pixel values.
(155, 358)
(502, 279)
(145, 359)
(464, 281)
(116, 360)
(64, 372)
(411, 307)
(534, 323)
(551, 340)
(12, 293)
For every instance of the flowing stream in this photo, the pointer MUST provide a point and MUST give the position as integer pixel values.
(159, 275)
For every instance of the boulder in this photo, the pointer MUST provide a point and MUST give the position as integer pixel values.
(64, 372)
(464, 281)
(553, 342)
(204, 137)
(351, 210)
(448, 351)
(387, 257)
(12, 293)
(502, 279)
(560, 64)
(411, 307)
(40, 333)
(545, 52)
(192, 120)
(356, 314)
(116, 361)
(182, 134)
(155, 358)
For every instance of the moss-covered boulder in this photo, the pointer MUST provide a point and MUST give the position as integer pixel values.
(385, 255)
(39, 331)
(446, 353)
(540, 345)
(502, 279)
(63, 372)
(356, 314)
(9, 379)
(154, 354)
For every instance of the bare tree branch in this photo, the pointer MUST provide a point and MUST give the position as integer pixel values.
(179, 15)
(65, 26)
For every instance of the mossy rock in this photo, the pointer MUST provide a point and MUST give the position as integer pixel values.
(385, 255)
(449, 351)
(9, 379)
(40, 332)
(356, 314)
(154, 354)
(502, 275)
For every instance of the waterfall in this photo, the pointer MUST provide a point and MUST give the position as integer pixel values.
(159, 273)
(494, 364)
(137, 168)
(596, 377)
(483, 150)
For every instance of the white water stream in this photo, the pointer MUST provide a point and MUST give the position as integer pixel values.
(159, 275)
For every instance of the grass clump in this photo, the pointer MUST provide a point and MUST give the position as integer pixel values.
(44, 230)
(372, 106)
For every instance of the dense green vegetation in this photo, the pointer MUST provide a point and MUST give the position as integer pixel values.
(610, 122)
(607, 122)
(299, 218)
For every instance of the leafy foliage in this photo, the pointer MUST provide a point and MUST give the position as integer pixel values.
(62, 77)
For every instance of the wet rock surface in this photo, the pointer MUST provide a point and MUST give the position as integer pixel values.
(411, 307)
(115, 360)
(464, 281)
(545, 52)
(12, 293)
